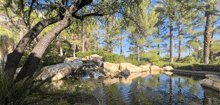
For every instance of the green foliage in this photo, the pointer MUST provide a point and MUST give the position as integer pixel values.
(215, 61)
(135, 62)
(113, 58)
(50, 57)
(109, 57)
(188, 59)
(18, 93)
(151, 56)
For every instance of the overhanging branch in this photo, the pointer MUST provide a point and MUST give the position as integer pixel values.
(91, 14)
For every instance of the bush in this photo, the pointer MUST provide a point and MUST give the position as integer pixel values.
(152, 56)
(18, 93)
(109, 57)
(188, 59)
(215, 61)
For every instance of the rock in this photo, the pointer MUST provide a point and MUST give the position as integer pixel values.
(59, 71)
(130, 67)
(111, 67)
(96, 57)
(70, 60)
(155, 68)
(98, 62)
(168, 68)
(145, 67)
(213, 77)
(107, 73)
(86, 57)
(211, 84)
(57, 84)
(125, 73)
(148, 64)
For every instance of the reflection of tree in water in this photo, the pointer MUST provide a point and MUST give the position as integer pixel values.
(157, 89)
(137, 93)
(112, 95)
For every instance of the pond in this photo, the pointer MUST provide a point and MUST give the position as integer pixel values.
(157, 89)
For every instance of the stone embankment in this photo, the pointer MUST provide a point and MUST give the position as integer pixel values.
(94, 63)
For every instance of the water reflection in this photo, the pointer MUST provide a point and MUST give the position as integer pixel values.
(143, 88)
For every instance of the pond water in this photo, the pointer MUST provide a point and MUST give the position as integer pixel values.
(143, 88)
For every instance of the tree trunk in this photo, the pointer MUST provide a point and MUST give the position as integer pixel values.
(158, 37)
(15, 56)
(61, 49)
(171, 18)
(31, 65)
(207, 33)
(189, 50)
(87, 47)
(198, 51)
(121, 44)
(211, 56)
(180, 40)
(138, 53)
(74, 50)
(108, 38)
(83, 38)
(111, 50)
(171, 90)
(171, 43)
(21, 33)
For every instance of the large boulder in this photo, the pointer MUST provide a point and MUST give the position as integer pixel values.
(71, 59)
(98, 62)
(155, 68)
(211, 84)
(59, 71)
(168, 68)
(145, 67)
(130, 67)
(111, 67)
(96, 57)
(107, 73)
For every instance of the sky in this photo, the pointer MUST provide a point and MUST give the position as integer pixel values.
(126, 42)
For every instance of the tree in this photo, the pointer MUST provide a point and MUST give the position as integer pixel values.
(161, 27)
(142, 28)
(208, 28)
(171, 19)
(66, 12)
(168, 6)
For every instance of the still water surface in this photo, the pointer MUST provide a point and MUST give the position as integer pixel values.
(144, 89)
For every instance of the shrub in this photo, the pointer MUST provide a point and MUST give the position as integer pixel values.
(188, 59)
(18, 93)
(152, 56)
(109, 57)
(83, 54)
(215, 61)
